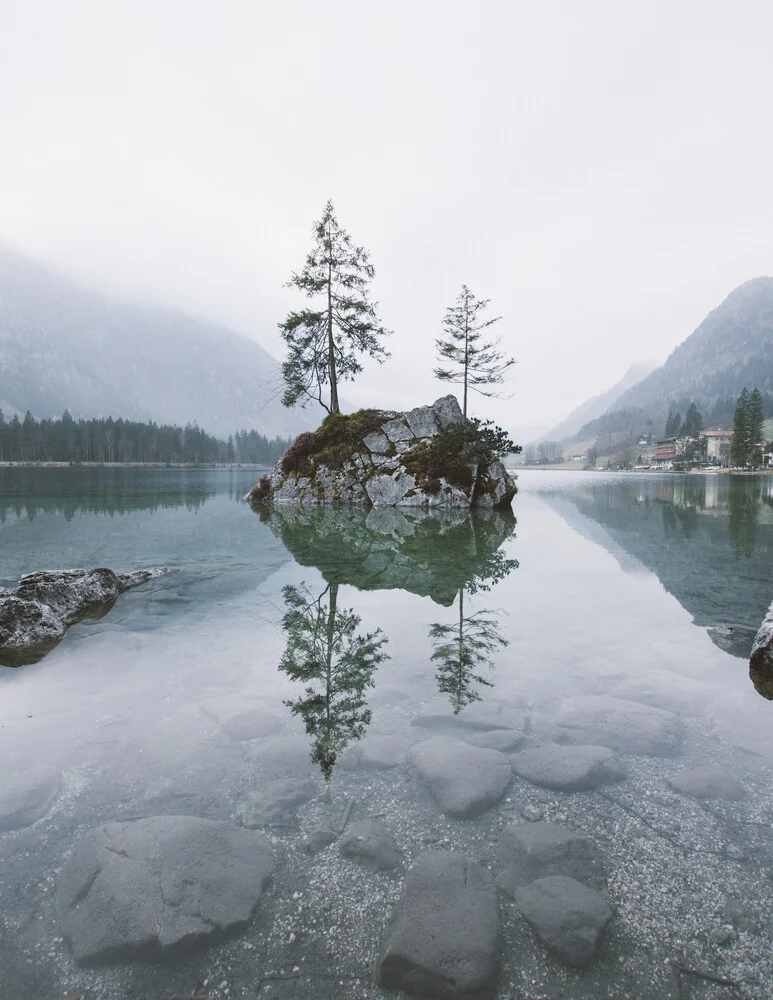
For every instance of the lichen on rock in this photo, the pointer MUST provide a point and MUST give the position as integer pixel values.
(428, 457)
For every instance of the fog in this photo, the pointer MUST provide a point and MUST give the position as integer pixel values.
(601, 171)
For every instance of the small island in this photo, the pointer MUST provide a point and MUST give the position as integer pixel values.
(430, 457)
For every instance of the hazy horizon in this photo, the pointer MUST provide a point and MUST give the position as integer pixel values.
(600, 172)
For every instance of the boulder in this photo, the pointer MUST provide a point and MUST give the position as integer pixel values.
(159, 884)
(627, 726)
(26, 798)
(664, 689)
(36, 616)
(504, 740)
(444, 938)
(464, 780)
(761, 659)
(370, 844)
(568, 769)
(385, 467)
(568, 916)
(709, 782)
(276, 803)
(533, 850)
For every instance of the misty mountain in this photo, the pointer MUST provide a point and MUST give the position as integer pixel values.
(732, 348)
(62, 346)
(596, 406)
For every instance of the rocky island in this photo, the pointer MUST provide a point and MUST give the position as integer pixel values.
(430, 457)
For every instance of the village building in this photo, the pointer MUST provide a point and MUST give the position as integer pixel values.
(717, 446)
(665, 452)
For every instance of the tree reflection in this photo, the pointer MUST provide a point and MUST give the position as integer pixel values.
(325, 652)
(463, 648)
(742, 522)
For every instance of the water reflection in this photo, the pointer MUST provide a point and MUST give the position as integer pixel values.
(709, 539)
(26, 492)
(445, 556)
(336, 664)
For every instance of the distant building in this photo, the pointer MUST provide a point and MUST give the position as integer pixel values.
(665, 452)
(717, 446)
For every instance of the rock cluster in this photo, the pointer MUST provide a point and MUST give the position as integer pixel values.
(375, 474)
(35, 617)
(761, 660)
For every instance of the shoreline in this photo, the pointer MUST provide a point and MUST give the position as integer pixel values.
(131, 465)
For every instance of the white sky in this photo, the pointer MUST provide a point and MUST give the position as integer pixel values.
(602, 170)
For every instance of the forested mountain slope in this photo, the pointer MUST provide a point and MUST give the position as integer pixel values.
(596, 406)
(732, 348)
(62, 346)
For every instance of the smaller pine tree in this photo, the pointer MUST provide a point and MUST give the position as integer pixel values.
(739, 450)
(755, 427)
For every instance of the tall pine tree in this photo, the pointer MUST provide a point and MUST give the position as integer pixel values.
(473, 363)
(324, 344)
(755, 422)
(739, 449)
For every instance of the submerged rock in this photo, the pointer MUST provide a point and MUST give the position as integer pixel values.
(709, 782)
(567, 915)
(380, 459)
(26, 798)
(568, 769)
(528, 851)
(35, 617)
(153, 885)
(464, 780)
(627, 726)
(276, 803)
(370, 844)
(444, 938)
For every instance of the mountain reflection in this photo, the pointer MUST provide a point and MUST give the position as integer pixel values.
(709, 539)
(336, 664)
(445, 556)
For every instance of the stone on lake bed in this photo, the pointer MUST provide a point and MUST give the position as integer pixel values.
(627, 726)
(377, 752)
(528, 851)
(370, 844)
(444, 938)
(464, 780)
(664, 689)
(275, 804)
(568, 768)
(709, 782)
(163, 883)
(241, 721)
(26, 798)
(503, 740)
(568, 916)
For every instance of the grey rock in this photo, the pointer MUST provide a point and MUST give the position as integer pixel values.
(724, 934)
(397, 430)
(532, 850)
(386, 491)
(503, 740)
(664, 689)
(376, 442)
(627, 726)
(444, 938)
(422, 421)
(486, 719)
(378, 752)
(761, 659)
(318, 840)
(157, 884)
(568, 916)
(275, 804)
(370, 844)
(532, 813)
(239, 721)
(709, 782)
(447, 411)
(464, 780)
(36, 616)
(26, 798)
(28, 630)
(500, 487)
(568, 769)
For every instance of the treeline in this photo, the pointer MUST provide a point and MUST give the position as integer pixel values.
(108, 440)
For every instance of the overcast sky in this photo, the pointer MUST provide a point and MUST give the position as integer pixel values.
(601, 170)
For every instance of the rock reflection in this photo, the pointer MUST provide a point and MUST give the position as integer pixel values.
(325, 652)
(446, 556)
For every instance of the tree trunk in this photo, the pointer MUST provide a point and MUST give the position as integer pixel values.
(331, 358)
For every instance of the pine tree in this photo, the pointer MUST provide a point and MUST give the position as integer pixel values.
(324, 343)
(474, 364)
(693, 422)
(755, 427)
(739, 449)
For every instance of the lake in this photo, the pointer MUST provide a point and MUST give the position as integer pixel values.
(297, 673)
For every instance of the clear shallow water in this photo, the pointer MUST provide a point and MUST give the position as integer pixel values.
(602, 580)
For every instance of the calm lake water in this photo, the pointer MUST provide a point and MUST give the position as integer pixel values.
(190, 697)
